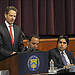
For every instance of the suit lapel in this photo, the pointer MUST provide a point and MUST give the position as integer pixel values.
(58, 53)
(7, 33)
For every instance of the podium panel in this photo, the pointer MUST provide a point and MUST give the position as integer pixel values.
(4, 72)
(26, 63)
(30, 63)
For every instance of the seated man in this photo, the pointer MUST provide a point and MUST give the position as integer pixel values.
(33, 42)
(61, 56)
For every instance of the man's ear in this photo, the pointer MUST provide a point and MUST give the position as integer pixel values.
(57, 45)
(5, 15)
(27, 42)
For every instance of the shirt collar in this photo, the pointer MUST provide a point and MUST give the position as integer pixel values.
(7, 24)
(61, 51)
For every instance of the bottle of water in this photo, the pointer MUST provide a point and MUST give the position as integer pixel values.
(51, 65)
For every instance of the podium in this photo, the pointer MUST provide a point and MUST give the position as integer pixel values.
(26, 63)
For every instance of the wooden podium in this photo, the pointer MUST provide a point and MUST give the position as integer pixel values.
(11, 64)
(26, 63)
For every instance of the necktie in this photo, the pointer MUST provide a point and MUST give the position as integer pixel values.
(11, 34)
(63, 58)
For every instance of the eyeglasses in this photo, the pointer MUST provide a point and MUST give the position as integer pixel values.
(62, 42)
(35, 43)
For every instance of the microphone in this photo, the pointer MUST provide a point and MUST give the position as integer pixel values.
(71, 61)
(57, 56)
(23, 35)
(31, 49)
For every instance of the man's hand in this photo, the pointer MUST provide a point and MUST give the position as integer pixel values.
(68, 66)
(13, 53)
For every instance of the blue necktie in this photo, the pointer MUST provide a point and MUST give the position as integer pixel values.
(63, 58)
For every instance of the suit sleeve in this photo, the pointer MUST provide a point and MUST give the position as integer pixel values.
(57, 61)
(72, 59)
(3, 52)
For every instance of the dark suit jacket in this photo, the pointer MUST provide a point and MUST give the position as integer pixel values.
(55, 55)
(6, 47)
(31, 50)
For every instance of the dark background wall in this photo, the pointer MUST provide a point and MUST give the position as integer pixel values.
(47, 18)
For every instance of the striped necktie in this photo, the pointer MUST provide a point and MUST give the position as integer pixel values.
(63, 58)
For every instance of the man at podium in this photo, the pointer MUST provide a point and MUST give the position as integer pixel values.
(33, 42)
(11, 40)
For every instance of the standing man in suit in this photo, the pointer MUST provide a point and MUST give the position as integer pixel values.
(11, 40)
(60, 51)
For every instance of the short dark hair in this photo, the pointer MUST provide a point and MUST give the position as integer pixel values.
(63, 37)
(33, 35)
(10, 8)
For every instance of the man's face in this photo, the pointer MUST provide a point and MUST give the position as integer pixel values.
(10, 17)
(62, 44)
(34, 42)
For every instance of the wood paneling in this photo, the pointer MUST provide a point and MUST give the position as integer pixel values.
(47, 44)
(11, 64)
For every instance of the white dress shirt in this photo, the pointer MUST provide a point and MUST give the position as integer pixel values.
(7, 24)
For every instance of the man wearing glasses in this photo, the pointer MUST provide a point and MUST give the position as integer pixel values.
(33, 42)
(61, 56)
